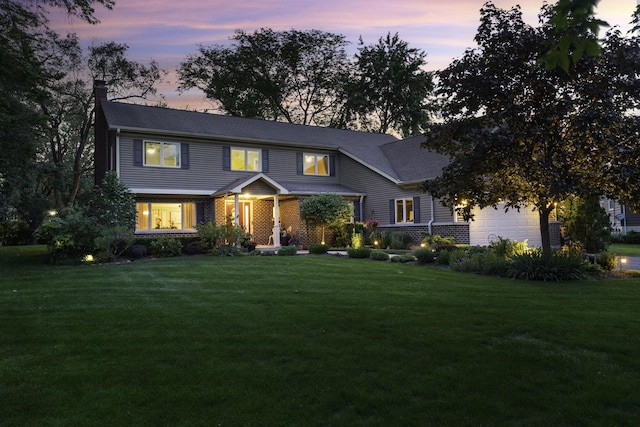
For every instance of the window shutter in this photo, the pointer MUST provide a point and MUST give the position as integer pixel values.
(416, 210)
(356, 211)
(299, 165)
(226, 158)
(137, 152)
(392, 211)
(199, 212)
(265, 160)
(184, 155)
(332, 165)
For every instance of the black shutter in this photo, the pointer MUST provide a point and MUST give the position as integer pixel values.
(392, 211)
(184, 155)
(299, 165)
(226, 158)
(200, 212)
(416, 209)
(137, 152)
(332, 165)
(356, 211)
(265, 160)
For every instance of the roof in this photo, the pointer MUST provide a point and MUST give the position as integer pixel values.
(398, 160)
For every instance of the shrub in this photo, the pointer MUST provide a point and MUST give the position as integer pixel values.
(403, 258)
(444, 247)
(481, 262)
(318, 248)
(632, 237)
(69, 236)
(211, 236)
(287, 251)
(556, 267)
(424, 255)
(398, 240)
(436, 239)
(164, 247)
(359, 252)
(379, 255)
(507, 248)
(357, 240)
(606, 260)
(113, 242)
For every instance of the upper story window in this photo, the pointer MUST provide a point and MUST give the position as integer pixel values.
(316, 164)
(164, 154)
(245, 160)
(404, 210)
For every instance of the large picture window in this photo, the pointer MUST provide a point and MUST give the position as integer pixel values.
(316, 164)
(245, 160)
(163, 154)
(404, 210)
(165, 216)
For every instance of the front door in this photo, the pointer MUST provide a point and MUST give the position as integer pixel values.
(245, 213)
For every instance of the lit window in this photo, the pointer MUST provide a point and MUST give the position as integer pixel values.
(165, 216)
(245, 160)
(316, 164)
(165, 154)
(404, 210)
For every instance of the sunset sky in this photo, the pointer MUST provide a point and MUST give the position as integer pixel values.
(168, 30)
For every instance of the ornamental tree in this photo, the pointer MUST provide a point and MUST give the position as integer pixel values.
(323, 210)
(519, 133)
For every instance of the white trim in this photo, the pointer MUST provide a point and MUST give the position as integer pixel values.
(279, 188)
(171, 191)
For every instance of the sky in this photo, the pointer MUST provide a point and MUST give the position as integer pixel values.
(167, 31)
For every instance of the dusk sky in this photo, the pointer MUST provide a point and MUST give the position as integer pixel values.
(168, 30)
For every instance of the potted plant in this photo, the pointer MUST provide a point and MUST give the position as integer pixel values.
(247, 242)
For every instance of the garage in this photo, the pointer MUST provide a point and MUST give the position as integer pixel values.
(489, 223)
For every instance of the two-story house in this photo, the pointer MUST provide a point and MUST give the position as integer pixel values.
(186, 167)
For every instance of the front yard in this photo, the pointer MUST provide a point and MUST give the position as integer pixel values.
(310, 340)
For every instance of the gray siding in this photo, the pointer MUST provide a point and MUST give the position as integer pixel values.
(379, 190)
(205, 172)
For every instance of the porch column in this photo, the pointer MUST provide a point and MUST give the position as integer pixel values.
(236, 207)
(276, 221)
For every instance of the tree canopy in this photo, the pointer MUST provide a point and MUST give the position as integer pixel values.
(390, 89)
(519, 133)
(323, 210)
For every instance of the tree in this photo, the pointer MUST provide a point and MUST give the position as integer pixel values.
(292, 76)
(69, 110)
(29, 49)
(519, 133)
(323, 210)
(390, 87)
(587, 222)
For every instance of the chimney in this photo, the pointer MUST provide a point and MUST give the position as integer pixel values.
(101, 133)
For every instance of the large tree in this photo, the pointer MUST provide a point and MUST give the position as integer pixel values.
(523, 134)
(293, 76)
(69, 111)
(390, 88)
(29, 49)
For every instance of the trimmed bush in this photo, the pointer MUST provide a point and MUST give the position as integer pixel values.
(399, 240)
(425, 255)
(403, 258)
(318, 248)
(287, 251)
(165, 247)
(359, 252)
(606, 260)
(557, 267)
(379, 255)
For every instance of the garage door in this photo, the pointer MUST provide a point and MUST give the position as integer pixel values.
(490, 223)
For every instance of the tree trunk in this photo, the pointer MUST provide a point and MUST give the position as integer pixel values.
(545, 231)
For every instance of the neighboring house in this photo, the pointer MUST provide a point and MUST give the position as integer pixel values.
(623, 219)
(186, 167)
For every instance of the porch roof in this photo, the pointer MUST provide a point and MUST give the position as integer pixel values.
(293, 188)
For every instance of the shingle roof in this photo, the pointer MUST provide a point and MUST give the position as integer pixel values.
(412, 162)
(398, 160)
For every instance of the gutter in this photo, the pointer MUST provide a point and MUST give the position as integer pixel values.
(433, 214)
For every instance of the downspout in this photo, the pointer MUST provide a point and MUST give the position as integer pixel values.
(117, 159)
(361, 207)
(433, 217)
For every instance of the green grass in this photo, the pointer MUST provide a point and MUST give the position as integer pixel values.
(310, 341)
(625, 249)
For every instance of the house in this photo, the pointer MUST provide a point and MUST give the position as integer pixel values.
(186, 167)
(623, 218)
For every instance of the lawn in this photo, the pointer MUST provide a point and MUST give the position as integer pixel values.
(625, 249)
(310, 341)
